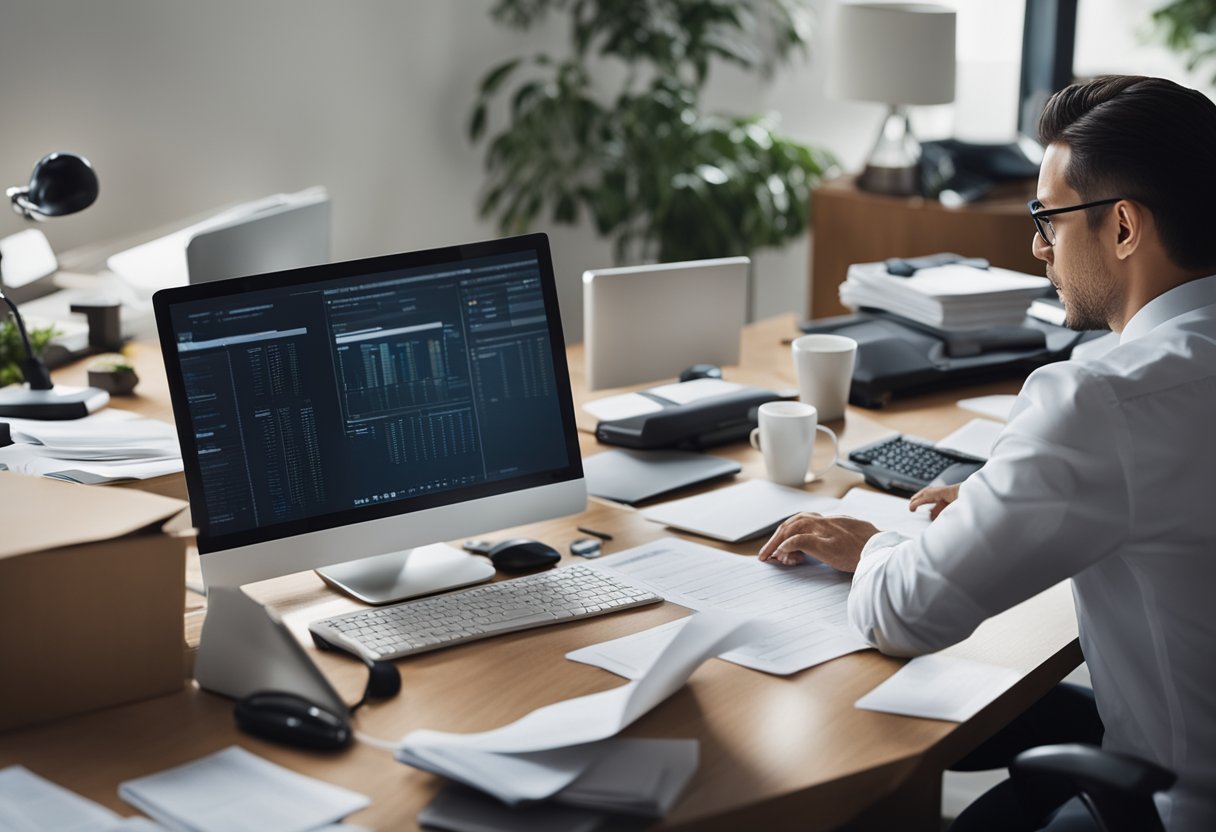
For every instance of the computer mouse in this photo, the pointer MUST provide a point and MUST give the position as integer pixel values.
(701, 371)
(290, 718)
(521, 555)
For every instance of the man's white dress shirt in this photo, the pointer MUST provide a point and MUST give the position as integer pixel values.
(1105, 473)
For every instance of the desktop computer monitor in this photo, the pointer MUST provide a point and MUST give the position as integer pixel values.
(337, 415)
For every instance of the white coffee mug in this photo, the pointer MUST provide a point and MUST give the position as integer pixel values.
(824, 364)
(786, 437)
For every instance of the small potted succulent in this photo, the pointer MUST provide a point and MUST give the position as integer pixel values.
(112, 373)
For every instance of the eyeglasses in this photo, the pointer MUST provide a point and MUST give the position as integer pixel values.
(1041, 215)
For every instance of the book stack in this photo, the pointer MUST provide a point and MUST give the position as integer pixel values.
(952, 297)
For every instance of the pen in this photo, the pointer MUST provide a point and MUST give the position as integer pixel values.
(594, 533)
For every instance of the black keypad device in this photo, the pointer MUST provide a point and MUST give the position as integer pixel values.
(905, 466)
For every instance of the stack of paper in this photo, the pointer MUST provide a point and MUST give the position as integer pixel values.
(234, 789)
(565, 752)
(108, 446)
(29, 803)
(952, 297)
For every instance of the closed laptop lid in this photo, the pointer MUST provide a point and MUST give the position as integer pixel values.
(647, 323)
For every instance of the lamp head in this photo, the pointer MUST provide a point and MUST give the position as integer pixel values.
(61, 184)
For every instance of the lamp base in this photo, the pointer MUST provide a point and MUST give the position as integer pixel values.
(893, 166)
(58, 403)
(894, 181)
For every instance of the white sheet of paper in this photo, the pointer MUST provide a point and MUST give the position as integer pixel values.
(686, 392)
(236, 791)
(597, 716)
(621, 407)
(801, 609)
(887, 512)
(29, 803)
(940, 687)
(975, 438)
(738, 512)
(994, 407)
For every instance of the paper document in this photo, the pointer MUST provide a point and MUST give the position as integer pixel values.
(887, 512)
(28, 803)
(975, 438)
(623, 406)
(560, 746)
(107, 446)
(994, 407)
(940, 687)
(738, 512)
(687, 392)
(627, 405)
(236, 791)
(802, 609)
(598, 716)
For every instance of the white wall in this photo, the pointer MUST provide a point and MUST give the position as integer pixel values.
(186, 106)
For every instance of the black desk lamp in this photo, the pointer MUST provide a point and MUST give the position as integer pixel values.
(61, 184)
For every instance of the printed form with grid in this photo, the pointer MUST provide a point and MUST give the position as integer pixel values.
(425, 624)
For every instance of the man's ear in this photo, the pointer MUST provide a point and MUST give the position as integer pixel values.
(1130, 220)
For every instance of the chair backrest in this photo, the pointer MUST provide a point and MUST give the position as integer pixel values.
(1117, 789)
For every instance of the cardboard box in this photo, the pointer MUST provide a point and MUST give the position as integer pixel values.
(91, 598)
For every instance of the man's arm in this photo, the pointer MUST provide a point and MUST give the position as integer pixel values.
(1052, 500)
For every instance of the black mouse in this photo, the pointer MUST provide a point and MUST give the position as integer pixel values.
(701, 371)
(521, 554)
(290, 718)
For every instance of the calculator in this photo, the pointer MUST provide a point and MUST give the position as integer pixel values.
(905, 465)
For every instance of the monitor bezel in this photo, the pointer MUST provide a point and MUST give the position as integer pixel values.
(165, 299)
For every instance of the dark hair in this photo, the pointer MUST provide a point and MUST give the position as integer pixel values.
(1148, 140)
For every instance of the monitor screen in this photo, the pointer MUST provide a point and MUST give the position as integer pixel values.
(321, 397)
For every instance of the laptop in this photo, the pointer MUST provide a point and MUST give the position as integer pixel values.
(647, 323)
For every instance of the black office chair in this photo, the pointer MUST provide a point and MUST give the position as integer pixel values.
(1117, 789)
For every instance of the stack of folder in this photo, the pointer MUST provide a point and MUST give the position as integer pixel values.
(952, 297)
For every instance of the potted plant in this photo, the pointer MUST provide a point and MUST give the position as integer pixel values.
(12, 351)
(655, 173)
(1189, 28)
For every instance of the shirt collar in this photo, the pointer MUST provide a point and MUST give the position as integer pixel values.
(1194, 294)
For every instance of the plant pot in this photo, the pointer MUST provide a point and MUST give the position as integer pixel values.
(114, 382)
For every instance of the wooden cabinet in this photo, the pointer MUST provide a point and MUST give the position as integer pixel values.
(853, 226)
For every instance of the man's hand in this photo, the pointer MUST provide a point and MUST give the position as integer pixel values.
(938, 496)
(837, 541)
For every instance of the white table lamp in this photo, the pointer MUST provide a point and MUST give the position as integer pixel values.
(898, 54)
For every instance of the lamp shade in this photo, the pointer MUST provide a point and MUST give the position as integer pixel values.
(893, 53)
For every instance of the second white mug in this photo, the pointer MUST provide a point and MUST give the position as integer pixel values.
(786, 437)
(824, 364)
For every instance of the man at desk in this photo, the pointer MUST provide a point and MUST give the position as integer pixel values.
(1104, 472)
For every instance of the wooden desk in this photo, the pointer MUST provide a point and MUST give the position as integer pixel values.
(777, 753)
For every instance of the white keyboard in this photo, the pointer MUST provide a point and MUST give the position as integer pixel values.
(488, 610)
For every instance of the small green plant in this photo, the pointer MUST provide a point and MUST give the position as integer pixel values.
(1189, 28)
(656, 174)
(12, 351)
